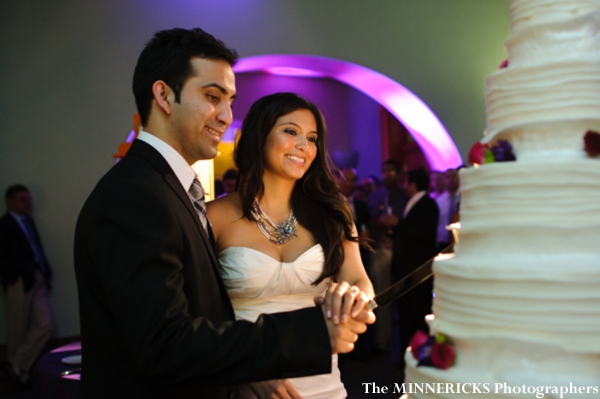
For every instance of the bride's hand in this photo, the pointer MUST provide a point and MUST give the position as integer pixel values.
(274, 389)
(342, 301)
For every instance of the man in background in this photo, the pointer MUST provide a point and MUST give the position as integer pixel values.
(25, 274)
(229, 181)
(348, 183)
(414, 243)
(389, 199)
(448, 204)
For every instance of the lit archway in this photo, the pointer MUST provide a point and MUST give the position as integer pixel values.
(419, 120)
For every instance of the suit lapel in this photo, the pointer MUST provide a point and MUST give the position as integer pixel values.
(175, 185)
(149, 153)
(415, 208)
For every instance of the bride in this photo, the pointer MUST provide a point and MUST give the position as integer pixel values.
(286, 234)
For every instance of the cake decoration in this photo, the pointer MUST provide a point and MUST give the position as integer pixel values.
(501, 151)
(591, 141)
(433, 351)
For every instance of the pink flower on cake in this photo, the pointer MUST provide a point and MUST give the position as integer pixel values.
(418, 340)
(591, 141)
(503, 64)
(442, 355)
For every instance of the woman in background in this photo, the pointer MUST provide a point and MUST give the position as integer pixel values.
(286, 233)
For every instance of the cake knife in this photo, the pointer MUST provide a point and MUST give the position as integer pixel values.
(406, 283)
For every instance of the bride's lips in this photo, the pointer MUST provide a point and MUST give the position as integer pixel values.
(300, 161)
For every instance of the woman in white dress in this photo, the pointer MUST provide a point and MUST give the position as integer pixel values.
(286, 234)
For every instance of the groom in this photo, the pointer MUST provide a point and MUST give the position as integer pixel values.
(156, 320)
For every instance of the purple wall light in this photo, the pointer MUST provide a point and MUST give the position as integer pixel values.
(419, 120)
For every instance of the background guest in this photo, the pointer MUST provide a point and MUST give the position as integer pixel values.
(414, 243)
(229, 181)
(448, 203)
(25, 274)
(347, 181)
(437, 184)
(369, 184)
(389, 199)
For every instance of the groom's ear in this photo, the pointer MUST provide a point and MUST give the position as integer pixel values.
(163, 95)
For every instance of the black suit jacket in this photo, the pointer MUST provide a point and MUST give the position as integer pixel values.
(415, 237)
(16, 256)
(361, 214)
(156, 320)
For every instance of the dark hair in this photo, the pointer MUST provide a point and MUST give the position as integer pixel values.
(316, 198)
(167, 57)
(393, 163)
(13, 190)
(231, 173)
(420, 177)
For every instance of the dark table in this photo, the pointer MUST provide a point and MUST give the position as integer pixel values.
(47, 381)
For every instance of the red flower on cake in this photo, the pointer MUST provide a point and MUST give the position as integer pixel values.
(504, 64)
(432, 351)
(591, 141)
(477, 154)
(442, 355)
(418, 340)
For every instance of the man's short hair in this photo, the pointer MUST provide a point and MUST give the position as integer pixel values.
(420, 177)
(167, 57)
(393, 163)
(12, 191)
(230, 174)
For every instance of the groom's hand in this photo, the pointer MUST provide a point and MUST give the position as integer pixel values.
(343, 335)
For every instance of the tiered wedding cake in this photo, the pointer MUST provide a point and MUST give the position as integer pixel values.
(521, 298)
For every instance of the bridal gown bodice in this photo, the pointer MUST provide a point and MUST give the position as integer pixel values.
(258, 283)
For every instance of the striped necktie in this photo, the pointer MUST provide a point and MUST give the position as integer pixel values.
(197, 195)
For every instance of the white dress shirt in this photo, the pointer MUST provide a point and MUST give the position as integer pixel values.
(447, 209)
(412, 201)
(184, 172)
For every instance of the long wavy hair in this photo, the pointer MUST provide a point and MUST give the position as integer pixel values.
(316, 199)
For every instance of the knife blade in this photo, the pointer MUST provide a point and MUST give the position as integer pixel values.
(406, 283)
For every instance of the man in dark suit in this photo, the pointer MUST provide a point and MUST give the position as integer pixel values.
(415, 241)
(156, 320)
(25, 274)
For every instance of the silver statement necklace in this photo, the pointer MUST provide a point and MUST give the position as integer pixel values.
(276, 233)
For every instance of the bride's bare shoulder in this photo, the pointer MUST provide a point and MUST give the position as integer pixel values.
(227, 208)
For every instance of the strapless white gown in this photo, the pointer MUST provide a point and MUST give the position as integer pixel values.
(257, 284)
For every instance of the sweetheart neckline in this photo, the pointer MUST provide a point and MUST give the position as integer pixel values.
(269, 256)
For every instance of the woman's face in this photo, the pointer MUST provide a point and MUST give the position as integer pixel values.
(291, 145)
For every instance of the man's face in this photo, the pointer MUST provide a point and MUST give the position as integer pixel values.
(389, 175)
(229, 185)
(452, 180)
(347, 182)
(411, 189)
(438, 182)
(20, 203)
(200, 119)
